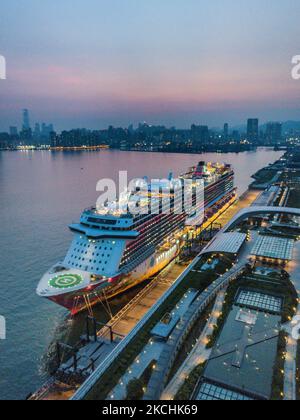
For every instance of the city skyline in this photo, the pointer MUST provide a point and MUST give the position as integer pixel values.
(155, 62)
(147, 137)
(32, 124)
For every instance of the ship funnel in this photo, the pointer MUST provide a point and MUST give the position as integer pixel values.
(170, 176)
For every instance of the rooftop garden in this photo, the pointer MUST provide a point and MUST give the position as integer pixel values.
(136, 387)
(278, 374)
(186, 391)
(294, 198)
(274, 284)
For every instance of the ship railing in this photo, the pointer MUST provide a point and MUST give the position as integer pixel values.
(41, 393)
(121, 215)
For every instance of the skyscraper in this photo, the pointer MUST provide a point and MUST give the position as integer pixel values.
(26, 121)
(37, 131)
(252, 130)
(274, 133)
(13, 131)
(200, 135)
(226, 131)
(46, 130)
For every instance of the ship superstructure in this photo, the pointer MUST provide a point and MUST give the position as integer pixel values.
(114, 250)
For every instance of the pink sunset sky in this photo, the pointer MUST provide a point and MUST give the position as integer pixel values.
(98, 62)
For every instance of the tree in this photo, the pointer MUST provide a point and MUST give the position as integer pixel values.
(135, 390)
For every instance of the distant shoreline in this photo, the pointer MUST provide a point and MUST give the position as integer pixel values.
(102, 148)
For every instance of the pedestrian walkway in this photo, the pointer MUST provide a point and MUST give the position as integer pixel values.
(246, 200)
(290, 365)
(129, 316)
(149, 354)
(199, 353)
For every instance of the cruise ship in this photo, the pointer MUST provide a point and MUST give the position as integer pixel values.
(113, 251)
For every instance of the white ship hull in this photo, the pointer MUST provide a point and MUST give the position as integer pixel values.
(77, 301)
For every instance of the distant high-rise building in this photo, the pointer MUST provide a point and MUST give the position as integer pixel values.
(53, 139)
(200, 135)
(26, 121)
(37, 131)
(131, 129)
(252, 130)
(226, 131)
(274, 133)
(46, 131)
(26, 133)
(13, 131)
(236, 136)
